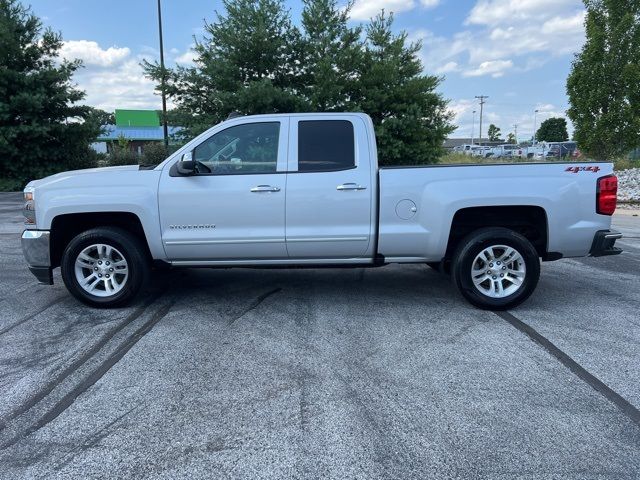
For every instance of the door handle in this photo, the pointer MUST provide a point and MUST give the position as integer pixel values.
(265, 188)
(350, 186)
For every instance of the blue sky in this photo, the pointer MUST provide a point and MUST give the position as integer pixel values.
(518, 52)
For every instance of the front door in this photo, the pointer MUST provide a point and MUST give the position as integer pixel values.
(234, 206)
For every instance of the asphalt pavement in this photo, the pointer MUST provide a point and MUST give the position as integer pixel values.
(323, 373)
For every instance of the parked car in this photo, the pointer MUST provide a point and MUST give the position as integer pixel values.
(306, 190)
(504, 151)
(481, 151)
(561, 149)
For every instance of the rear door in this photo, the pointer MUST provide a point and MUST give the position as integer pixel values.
(329, 188)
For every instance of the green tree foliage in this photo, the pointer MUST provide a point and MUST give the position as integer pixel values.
(604, 86)
(553, 129)
(494, 133)
(253, 60)
(100, 117)
(42, 128)
(511, 138)
(410, 118)
(331, 53)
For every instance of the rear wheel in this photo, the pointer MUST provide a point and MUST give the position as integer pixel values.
(104, 267)
(496, 268)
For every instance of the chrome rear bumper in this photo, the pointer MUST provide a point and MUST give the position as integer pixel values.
(603, 243)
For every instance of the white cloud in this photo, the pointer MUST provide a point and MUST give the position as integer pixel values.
(187, 57)
(112, 77)
(91, 54)
(495, 68)
(448, 67)
(365, 9)
(499, 12)
(526, 33)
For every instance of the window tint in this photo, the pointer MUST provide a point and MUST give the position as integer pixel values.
(248, 148)
(325, 145)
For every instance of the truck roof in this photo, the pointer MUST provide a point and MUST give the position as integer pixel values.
(302, 114)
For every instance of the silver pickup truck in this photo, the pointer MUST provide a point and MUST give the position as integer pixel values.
(306, 190)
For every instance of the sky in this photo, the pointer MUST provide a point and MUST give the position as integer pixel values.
(516, 52)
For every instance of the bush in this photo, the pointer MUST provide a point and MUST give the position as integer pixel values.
(122, 156)
(625, 163)
(154, 153)
(10, 185)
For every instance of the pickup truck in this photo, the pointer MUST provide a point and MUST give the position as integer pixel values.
(306, 190)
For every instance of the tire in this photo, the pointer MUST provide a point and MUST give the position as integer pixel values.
(498, 285)
(121, 257)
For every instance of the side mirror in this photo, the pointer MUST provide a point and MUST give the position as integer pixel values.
(186, 166)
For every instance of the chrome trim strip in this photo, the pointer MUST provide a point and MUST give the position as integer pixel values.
(243, 241)
(230, 241)
(328, 239)
(616, 235)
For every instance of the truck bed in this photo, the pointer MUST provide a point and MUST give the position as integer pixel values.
(564, 191)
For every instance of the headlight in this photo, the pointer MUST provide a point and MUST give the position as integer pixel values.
(29, 210)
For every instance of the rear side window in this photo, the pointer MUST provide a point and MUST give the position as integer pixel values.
(325, 145)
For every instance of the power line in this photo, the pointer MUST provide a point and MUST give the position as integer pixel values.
(482, 99)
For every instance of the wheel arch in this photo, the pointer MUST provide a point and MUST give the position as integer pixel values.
(66, 226)
(528, 220)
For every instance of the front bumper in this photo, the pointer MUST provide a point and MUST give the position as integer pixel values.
(603, 243)
(37, 253)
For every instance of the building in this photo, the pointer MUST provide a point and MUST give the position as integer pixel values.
(138, 127)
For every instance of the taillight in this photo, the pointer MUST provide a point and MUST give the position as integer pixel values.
(607, 195)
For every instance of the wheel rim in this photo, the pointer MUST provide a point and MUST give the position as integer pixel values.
(498, 271)
(101, 270)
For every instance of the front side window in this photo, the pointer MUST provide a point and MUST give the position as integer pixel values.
(325, 145)
(248, 148)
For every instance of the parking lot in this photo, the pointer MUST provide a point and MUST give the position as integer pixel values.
(324, 373)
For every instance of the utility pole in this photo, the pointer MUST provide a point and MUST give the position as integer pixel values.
(473, 127)
(482, 99)
(535, 125)
(515, 132)
(162, 80)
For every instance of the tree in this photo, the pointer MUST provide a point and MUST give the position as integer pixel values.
(248, 62)
(494, 133)
(553, 129)
(603, 86)
(42, 128)
(511, 138)
(331, 53)
(411, 119)
(253, 60)
(100, 117)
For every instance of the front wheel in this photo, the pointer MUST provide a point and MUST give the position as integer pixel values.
(104, 267)
(496, 268)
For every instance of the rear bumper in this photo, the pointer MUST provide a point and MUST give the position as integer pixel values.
(36, 251)
(603, 243)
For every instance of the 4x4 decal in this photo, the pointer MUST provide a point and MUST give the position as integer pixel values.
(592, 169)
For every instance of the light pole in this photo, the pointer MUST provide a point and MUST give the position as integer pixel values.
(473, 127)
(165, 128)
(535, 125)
